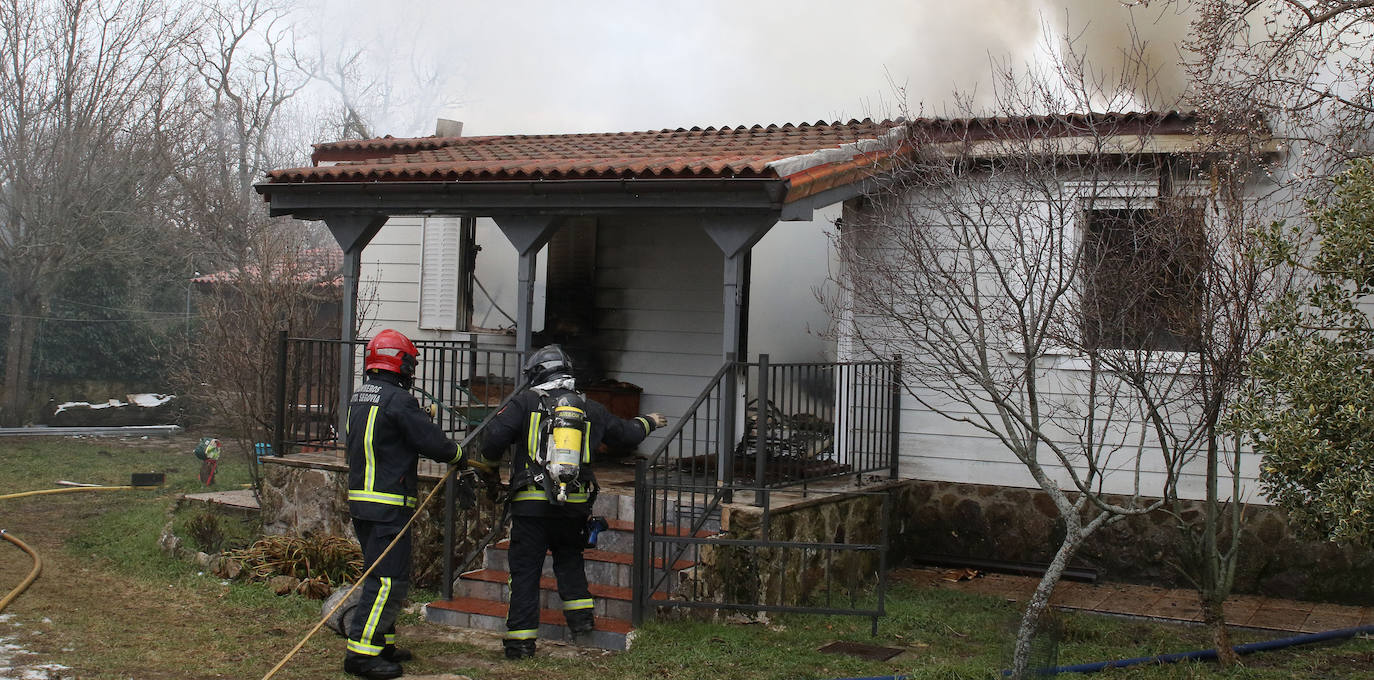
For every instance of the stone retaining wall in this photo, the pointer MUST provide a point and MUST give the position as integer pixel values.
(1022, 525)
(312, 498)
(928, 519)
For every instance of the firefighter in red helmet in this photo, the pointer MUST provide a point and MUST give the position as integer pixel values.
(387, 434)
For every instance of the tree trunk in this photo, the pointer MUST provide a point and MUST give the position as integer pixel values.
(1039, 602)
(19, 360)
(1214, 617)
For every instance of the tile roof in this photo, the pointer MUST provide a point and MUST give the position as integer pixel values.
(664, 154)
(320, 266)
(812, 157)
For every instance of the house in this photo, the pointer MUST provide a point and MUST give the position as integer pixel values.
(648, 236)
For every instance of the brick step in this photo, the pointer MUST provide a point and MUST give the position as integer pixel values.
(489, 584)
(610, 633)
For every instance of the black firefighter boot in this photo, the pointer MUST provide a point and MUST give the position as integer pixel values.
(396, 654)
(518, 649)
(581, 625)
(371, 667)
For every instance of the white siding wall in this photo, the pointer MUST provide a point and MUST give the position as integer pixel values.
(935, 447)
(389, 291)
(659, 308)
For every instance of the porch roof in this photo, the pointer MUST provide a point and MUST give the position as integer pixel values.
(696, 153)
(786, 170)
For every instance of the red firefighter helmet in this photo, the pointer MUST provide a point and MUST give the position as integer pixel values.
(391, 351)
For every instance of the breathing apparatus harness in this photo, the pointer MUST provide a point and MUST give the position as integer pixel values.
(559, 443)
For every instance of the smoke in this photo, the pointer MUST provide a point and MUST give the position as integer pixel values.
(1112, 37)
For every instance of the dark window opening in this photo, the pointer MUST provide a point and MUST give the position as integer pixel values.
(1143, 272)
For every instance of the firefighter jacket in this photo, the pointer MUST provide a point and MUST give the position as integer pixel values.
(387, 434)
(518, 423)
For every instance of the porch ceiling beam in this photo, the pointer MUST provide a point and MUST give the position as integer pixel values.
(548, 197)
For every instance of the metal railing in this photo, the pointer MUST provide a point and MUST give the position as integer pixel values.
(817, 421)
(470, 380)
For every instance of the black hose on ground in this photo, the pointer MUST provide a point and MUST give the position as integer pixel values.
(1210, 654)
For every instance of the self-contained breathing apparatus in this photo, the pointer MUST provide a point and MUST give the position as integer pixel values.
(562, 439)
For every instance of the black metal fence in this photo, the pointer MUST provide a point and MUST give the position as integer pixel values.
(469, 380)
(803, 423)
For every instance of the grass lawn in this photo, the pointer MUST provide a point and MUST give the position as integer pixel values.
(111, 605)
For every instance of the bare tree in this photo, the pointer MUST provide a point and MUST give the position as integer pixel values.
(267, 276)
(1189, 311)
(1307, 66)
(88, 103)
(972, 263)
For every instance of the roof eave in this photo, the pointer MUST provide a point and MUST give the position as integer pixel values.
(317, 200)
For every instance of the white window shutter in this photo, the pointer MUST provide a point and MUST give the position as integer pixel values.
(440, 256)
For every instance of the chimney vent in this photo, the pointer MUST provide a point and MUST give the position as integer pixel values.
(448, 128)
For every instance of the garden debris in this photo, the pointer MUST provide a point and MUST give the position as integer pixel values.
(283, 585)
(957, 575)
(323, 562)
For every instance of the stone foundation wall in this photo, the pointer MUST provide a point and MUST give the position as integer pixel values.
(312, 499)
(1022, 525)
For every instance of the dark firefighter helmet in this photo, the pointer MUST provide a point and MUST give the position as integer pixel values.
(546, 363)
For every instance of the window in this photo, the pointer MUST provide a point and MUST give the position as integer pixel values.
(1143, 274)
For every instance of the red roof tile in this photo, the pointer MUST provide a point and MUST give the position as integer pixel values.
(813, 157)
(320, 266)
(696, 153)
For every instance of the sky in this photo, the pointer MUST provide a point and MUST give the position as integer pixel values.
(549, 67)
(530, 67)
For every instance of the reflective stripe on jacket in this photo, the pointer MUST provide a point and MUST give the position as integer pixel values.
(387, 434)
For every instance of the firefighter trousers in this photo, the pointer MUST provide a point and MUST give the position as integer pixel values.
(384, 590)
(530, 538)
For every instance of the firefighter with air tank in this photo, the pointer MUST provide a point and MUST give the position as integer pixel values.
(555, 429)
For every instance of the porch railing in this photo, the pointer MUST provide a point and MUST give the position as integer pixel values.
(803, 422)
(470, 380)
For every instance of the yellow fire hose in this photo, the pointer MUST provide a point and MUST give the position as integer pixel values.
(33, 575)
(67, 489)
(38, 561)
(320, 624)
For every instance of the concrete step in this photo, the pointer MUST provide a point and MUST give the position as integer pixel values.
(602, 566)
(609, 633)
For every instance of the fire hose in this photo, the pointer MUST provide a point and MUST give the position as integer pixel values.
(467, 441)
(38, 561)
(28, 580)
